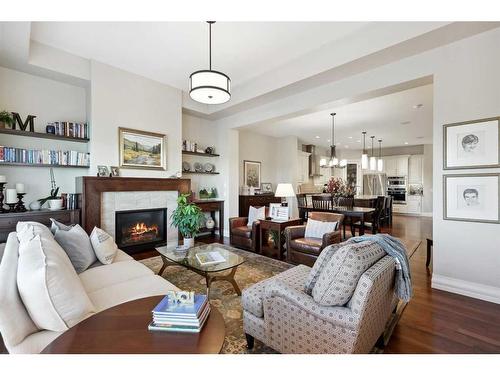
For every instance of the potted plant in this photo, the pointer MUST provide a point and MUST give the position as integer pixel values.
(6, 120)
(187, 218)
(55, 201)
(337, 188)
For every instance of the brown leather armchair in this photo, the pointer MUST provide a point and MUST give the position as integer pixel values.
(243, 236)
(305, 250)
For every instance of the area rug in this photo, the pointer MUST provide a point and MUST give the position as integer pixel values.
(222, 295)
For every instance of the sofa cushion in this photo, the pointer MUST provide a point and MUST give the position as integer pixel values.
(146, 286)
(317, 228)
(255, 214)
(307, 245)
(104, 246)
(242, 231)
(48, 284)
(76, 243)
(39, 228)
(106, 275)
(252, 297)
(339, 277)
(323, 259)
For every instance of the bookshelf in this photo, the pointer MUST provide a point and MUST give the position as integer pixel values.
(10, 164)
(24, 133)
(200, 154)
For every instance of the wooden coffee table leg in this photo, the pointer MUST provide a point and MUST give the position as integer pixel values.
(166, 263)
(229, 277)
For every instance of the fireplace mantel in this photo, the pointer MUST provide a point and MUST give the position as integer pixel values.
(91, 189)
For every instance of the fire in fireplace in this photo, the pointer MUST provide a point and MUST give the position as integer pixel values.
(141, 229)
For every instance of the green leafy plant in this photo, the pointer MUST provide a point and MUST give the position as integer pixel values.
(187, 217)
(6, 118)
(53, 191)
(274, 235)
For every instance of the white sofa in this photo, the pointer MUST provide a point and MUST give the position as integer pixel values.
(106, 285)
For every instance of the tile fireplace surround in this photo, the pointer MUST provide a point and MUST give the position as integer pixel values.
(101, 197)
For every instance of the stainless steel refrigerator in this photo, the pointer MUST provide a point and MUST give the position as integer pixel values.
(375, 184)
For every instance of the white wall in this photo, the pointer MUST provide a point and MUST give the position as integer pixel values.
(122, 99)
(428, 179)
(50, 101)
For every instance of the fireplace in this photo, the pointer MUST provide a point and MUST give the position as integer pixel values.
(137, 230)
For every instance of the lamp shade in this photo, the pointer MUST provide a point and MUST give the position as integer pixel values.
(373, 163)
(284, 190)
(364, 161)
(210, 87)
(380, 165)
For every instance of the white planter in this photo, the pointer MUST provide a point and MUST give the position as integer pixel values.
(189, 242)
(55, 204)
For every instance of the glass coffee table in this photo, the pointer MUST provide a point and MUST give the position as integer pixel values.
(211, 272)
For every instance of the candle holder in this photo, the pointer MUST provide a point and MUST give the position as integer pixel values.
(2, 210)
(12, 207)
(20, 204)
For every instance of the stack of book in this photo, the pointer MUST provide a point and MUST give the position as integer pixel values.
(52, 157)
(69, 129)
(180, 317)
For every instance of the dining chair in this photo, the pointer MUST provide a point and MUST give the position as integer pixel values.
(322, 202)
(372, 222)
(302, 206)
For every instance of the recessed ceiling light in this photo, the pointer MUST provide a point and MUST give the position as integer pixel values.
(349, 137)
(406, 143)
(418, 106)
(405, 122)
(328, 140)
(317, 137)
(346, 146)
(359, 141)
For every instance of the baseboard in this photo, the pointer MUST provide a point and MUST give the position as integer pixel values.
(466, 288)
(427, 214)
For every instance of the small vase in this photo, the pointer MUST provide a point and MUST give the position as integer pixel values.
(35, 206)
(189, 242)
(210, 223)
(55, 204)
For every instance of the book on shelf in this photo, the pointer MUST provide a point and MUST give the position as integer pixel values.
(70, 129)
(212, 257)
(52, 157)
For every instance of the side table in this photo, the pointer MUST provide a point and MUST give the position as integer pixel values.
(275, 250)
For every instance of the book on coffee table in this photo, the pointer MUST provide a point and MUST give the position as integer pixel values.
(212, 257)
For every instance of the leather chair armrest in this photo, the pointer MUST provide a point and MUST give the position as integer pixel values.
(235, 222)
(295, 231)
(331, 238)
(337, 315)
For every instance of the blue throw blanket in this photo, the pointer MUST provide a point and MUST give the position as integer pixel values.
(396, 249)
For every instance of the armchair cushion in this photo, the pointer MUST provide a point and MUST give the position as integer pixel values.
(307, 245)
(252, 297)
(316, 228)
(237, 222)
(318, 267)
(337, 281)
(243, 231)
(255, 214)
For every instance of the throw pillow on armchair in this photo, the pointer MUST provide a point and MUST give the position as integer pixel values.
(255, 214)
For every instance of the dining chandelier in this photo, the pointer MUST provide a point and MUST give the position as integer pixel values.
(373, 159)
(364, 156)
(380, 161)
(334, 161)
(209, 86)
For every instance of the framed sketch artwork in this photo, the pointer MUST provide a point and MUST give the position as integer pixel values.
(472, 197)
(472, 144)
(142, 150)
(251, 173)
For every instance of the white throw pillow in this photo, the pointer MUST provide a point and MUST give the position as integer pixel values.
(38, 228)
(316, 228)
(48, 284)
(104, 246)
(255, 214)
(76, 243)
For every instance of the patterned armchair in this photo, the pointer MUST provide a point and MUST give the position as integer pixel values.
(281, 315)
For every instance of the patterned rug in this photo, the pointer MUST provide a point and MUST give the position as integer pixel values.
(222, 295)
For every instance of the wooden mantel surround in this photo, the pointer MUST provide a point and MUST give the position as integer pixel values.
(91, 189)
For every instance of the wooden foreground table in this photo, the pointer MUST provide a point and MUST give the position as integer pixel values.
(123, 329)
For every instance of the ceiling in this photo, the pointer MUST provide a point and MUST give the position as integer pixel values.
(392, 118)
(169, 52)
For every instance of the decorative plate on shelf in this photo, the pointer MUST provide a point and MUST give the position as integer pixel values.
(198, 167)
(186, 167)
(209, 167)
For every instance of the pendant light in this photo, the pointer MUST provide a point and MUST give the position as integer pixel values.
(334, 161)
(373, 159)
(364, 156)
(209, 86)
(380, 162)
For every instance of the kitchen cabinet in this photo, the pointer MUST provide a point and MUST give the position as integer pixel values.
(414, 204)
(396, 165)
(303, 176)
(399, 208)
(416, 169)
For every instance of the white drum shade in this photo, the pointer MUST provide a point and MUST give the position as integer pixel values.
(209, 87)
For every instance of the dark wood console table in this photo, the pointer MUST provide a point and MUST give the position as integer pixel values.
(212, 206)
(8, 221)
(246, 201)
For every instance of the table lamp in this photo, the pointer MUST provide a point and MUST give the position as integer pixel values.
(284, 191)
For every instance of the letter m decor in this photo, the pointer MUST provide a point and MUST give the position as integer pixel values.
(23, 125)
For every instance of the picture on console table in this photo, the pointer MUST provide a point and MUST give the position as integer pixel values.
(251, 173)
(472, 197)
(142, 150)
(472, 144)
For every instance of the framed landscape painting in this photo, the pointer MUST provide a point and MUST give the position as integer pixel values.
(251, 173)
(141, 149)
(472, 197)
(472, 144)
